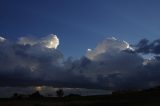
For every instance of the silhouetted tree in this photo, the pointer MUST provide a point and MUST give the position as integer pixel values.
(60, 92)
(15, 95)
(36, 95)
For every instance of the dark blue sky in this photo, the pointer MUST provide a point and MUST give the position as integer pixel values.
(80, 24)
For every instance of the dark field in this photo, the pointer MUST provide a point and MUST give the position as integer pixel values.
(145, 98)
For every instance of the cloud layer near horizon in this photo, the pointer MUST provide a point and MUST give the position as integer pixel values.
(112, 64)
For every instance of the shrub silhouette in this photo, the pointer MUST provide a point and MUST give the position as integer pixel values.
(15, 95)
(36, 95)
(60, 93)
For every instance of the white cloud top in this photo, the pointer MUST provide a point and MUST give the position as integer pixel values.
(50, 41)
(108, 45)
(2, 39)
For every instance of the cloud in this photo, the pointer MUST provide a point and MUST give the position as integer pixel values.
(108, 64)
(144, 46)
(108, 45)
(112, 64)
(50, 41)
(37, 64)
(26, 64)
(2, 39)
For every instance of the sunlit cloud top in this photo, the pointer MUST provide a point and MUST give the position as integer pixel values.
(106, 46)
(2, 39)
(50, 41)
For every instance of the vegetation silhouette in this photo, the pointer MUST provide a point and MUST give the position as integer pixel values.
(36, 95)
(145, 97)
(60, 93)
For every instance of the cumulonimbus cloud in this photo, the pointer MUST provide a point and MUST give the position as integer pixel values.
(113, 64)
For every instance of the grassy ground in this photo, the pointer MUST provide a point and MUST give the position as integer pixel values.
(112, 100)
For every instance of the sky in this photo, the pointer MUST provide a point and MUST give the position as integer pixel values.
(79, 44)
(80, 24)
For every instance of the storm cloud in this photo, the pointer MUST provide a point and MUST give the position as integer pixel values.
(37, 64)
(112, 64)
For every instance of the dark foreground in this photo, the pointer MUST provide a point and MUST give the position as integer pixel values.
(145, 98)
